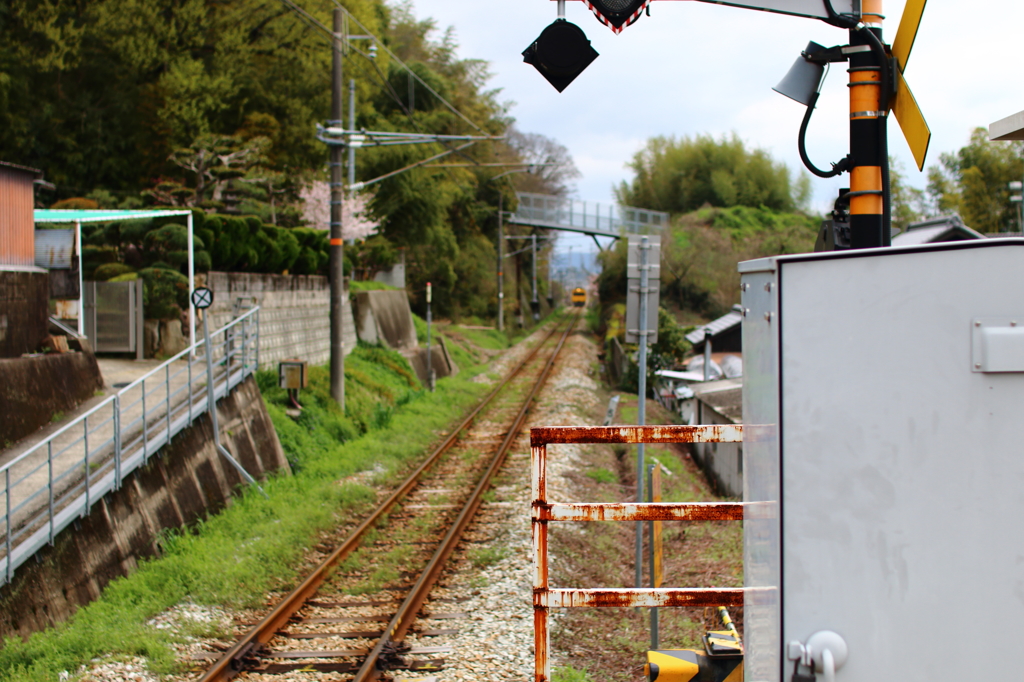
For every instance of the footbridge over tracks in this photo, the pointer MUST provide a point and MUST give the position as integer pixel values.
(586, 217)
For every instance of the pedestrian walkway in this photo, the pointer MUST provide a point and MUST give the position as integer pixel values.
(55, 476)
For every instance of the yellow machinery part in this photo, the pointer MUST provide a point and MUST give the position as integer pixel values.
(684, 665)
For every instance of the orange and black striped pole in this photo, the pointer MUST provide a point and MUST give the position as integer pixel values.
(868, 145)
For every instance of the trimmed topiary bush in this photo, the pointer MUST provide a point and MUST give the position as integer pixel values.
(165, 294)
(108, 271)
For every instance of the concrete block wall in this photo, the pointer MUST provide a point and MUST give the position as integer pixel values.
(294, 313)
(33, 389)
(24, 296)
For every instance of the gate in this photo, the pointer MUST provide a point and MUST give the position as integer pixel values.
(113, 316)
(545, 597)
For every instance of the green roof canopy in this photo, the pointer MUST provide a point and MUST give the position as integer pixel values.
(51, 215)
(75, 216)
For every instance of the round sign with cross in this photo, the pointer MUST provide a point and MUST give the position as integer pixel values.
(202, 298)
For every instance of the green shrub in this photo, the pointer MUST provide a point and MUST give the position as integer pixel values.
(165, 294)
(108, 271)
(95, 256)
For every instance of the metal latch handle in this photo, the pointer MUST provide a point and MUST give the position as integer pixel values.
(825, 652)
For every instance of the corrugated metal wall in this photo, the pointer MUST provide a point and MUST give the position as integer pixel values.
(17, 229)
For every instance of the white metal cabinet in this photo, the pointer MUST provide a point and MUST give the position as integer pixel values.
(890, 465)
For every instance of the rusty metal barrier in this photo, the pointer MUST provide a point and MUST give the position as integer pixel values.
(545, 598)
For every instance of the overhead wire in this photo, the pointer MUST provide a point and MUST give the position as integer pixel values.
(451, 107)
(316, 24)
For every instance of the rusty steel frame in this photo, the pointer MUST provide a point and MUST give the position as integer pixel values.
(545, 597)
(232, 662)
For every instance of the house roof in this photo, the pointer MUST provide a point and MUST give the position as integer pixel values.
(948, 228)
(51, 215)
(38, 174)
(725, 396)
(731, 319)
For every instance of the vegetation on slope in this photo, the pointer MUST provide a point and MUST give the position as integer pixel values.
(254, 546)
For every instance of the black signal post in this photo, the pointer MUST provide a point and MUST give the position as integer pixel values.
(870, 85)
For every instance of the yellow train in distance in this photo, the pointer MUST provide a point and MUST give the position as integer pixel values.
(579, 297)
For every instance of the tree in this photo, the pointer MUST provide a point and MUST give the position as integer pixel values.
(681, 175)
(907, 202)
(555, 170)
(213, 104)
(974, 182)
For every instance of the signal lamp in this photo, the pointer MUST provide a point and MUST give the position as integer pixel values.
(617, 14)
(560, 53)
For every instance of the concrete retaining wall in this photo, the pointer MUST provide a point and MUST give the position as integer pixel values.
(385, 316)
(441, 362)
(33, 389)
(24, 296)
(185, 482)
(294, 313)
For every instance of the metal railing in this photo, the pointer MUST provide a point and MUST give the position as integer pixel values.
(610, 220)
(546, 597)
(58, 480)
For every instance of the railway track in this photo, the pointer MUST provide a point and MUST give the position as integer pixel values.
(362, 612)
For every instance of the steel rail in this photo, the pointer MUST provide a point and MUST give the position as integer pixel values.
(232, 662)
(409, 610)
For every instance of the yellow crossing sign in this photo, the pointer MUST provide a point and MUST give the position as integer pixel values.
(904, 106)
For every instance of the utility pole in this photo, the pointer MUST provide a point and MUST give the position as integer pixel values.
(501, 261)
(869, 155)
(551, 262)
(351, 126)
(535, 304)
(336, 249)
(519, 290)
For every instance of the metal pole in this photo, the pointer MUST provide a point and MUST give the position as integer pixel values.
(49, 469)
(869, 161)
(337, 244)
(535, 304)
(430, 368)
(88, 478)
(351, 126)
(641, 412)
(501, 263)
(7, 501)
(191, 288)
(707, 355)
(655, 635)
(211, 404)
(145, 423)
(551, 262)
(117, 446)
(81, 286)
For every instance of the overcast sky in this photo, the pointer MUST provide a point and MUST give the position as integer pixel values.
(696, 68)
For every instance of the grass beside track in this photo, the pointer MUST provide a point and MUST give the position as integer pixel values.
(234, 558)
